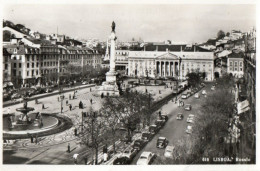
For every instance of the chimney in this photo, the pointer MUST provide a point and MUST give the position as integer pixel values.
(157, 48)
(144, 47)
(181, 48)
(194, 48)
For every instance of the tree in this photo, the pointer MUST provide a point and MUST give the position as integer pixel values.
(6, 36)
(221, 34)
(130, 109)
(19, 26)
(94, 132)
(193, 79)
(227, 34)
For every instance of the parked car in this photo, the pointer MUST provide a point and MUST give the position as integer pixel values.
(6, 96)
(213, 87)
(49, 90)
(197, 96)
(184, 96)
(129, 153)
(159, 123)
(127, 139)
(121, 161)
(190, 118)
(84, 82)
(188, 94)
(189, 129)
(187, 107)
(153, 129)
(146, 136)
(179, 116)
(164, 117)
(145, 158)
(16, 96)
(162, 142)
(204, 92)
(138, 144)
(169, 151)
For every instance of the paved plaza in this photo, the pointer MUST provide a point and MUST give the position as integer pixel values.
(52, 149)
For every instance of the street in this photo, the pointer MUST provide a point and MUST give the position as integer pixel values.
(174, 129)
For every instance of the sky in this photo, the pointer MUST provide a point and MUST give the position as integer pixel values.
(176, 22)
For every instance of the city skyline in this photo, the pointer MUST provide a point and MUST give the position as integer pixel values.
(134, 21)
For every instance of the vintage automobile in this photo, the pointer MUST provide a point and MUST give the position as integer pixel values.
(162, 142)
(145, 158)
(179, 116)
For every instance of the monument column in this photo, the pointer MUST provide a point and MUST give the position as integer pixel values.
(111, 74)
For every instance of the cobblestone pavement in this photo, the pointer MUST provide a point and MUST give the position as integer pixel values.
(52, 106)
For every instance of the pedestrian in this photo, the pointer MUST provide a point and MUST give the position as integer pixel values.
(90, 101)
(70, 96)
(86, 160)
(90, 89)
(105, 149)
(69, 147)
(67, 102)
(43, 106)
(70, 107)
(31, 138)
(159, 91)
(146, 90)
(76, 132)
(61, 109)
(36, 139)
(36, 101)
(105, 157)
(75, 157)
(58, 99)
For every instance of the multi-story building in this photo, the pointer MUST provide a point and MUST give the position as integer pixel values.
(122, 60)
(23, 64)
(178, 63)
(250, 81)
(42, 61)
(235, 64)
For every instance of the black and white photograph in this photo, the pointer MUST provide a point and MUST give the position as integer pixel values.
(115, 83)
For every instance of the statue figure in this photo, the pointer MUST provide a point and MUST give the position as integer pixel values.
(113, 26)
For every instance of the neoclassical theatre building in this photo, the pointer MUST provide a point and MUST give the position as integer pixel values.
(171, 61)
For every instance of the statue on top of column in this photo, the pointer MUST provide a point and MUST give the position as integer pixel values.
(113, 26)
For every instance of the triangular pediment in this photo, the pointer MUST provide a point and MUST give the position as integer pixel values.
(168, 56)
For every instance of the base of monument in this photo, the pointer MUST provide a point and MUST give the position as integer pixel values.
(111, 76)
(108, 89)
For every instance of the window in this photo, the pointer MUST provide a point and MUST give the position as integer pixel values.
(15, 50)
(37, 64)
(231, 63)
(32, 72)
(241, 69)
(235, 69)
(6, 66)
(20, 65)
(32, 65)
(235, 64)
(27, 73)
(14, 72)
(36, 72)
(20, 73)
(240, 64)
(14, 65)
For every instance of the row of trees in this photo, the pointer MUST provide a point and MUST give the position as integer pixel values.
(125, 112)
